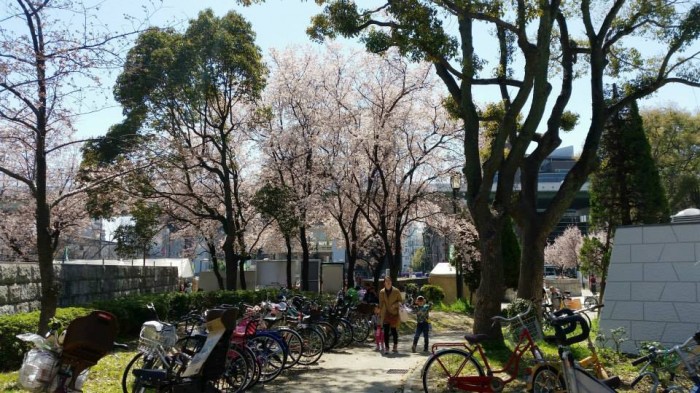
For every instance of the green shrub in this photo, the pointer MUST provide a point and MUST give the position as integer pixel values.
(518, 306)
(411, 289)
(13, 349)
(432, 293)
(131, 311)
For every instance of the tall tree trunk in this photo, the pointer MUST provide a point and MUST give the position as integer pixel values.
(351, 255)
(396, 258)
(231, 259)
(304, 259)
(530, 282)
(491, 288)
(376, 273)
(288, 243)
(49, 293)
(215, 264)
(241, 272)
(49, 290)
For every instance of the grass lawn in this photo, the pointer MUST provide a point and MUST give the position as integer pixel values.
(105, 377)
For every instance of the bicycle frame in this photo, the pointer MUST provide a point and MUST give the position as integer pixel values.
(490, 382)
(193, 375)
(577, 379)
(678, 350)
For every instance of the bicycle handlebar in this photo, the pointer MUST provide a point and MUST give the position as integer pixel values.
(654, 352)
(516, 317)
(638, 361)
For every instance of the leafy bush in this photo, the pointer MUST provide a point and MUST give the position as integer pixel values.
(13, 349)
(131, 311)
(411, 289)
(432, 293)
(518, 306)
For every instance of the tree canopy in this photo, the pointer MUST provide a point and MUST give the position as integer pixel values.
(192, 94)
(537, 59)
(674, 137)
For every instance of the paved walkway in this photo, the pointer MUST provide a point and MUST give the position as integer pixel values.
(360, 369)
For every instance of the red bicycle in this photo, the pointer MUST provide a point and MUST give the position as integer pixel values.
(456, 368)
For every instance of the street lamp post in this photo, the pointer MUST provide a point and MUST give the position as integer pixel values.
(456, 183)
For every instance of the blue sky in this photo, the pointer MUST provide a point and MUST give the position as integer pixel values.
(279, 23)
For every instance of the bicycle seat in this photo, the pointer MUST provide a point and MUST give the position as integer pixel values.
(475, 338)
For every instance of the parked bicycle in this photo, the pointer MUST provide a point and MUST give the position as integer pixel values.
(576, 379)
(681, 361)
(60, 363)
(158, 340)
(465, 367)
(213, 367)
(312, 336)
(548, 377)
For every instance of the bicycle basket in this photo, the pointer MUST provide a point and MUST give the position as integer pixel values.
(155, 334)
(512, 330)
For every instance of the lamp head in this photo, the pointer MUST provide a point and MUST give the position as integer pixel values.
(456, 181)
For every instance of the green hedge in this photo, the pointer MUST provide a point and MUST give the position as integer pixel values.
(131, 312)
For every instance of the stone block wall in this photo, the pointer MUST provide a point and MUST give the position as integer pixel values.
(653, 285)
(20, 284)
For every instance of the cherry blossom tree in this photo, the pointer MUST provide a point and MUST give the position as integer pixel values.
(193, 94)
(51, 50)
(291, 139)
(564, 251)
(529, 57)
(367, 135)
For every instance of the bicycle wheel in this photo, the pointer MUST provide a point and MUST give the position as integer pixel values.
(236, 376)
(313, 345)
(253, 362)
(345, 333)
(330, 335)
(130, 384)
(271, 353)
(360, 329)
(443, 367)
(295, 346)
(547, 379)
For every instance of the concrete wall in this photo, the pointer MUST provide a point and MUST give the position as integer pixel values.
(653, 285)
(207, 280)
(572, 285)
(20, 284)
